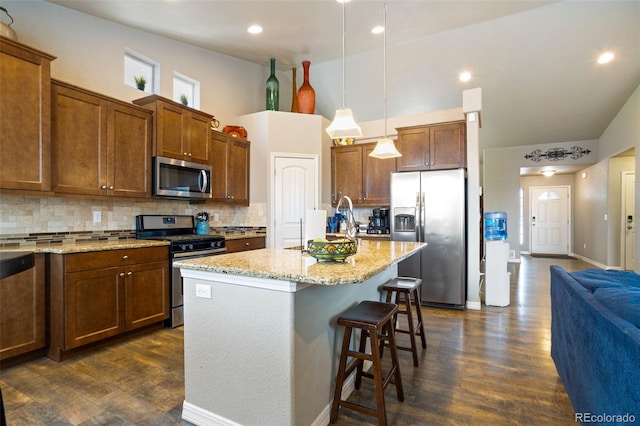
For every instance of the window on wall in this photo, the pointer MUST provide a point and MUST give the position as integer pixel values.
(141, 72)
(186, 90)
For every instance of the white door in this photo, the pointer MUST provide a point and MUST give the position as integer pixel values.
(295, 191)
(628, 218)
(550, 219)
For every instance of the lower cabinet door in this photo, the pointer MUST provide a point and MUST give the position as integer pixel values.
(93, 303)
(147, 294)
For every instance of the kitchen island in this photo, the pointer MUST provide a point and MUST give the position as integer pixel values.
(260, 337)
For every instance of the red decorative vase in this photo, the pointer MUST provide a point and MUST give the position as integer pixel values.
(306, 94)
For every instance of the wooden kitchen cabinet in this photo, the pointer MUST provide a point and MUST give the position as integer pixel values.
(366, 180)
(97, 296)
(22, 312)
(101, 146)
(432, 147)
(245, 244)
(230, 169)
(25, 118)
(179, 132)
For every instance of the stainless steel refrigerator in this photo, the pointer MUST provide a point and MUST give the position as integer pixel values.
(430, 207)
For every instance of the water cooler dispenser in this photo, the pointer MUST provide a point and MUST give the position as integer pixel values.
(497, 289)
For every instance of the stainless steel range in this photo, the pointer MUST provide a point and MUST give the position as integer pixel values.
(185, 244)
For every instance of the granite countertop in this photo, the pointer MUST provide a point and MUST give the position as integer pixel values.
(291, 265)
(86, 246)
(239, 235)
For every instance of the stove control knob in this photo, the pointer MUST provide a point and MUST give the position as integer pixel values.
(190, 246)
(220, 244)
(183, 247)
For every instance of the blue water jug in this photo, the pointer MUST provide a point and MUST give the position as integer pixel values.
(495, 226)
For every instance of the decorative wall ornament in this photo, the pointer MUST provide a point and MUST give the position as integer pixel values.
(557, 154)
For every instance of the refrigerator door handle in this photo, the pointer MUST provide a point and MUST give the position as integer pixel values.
(423, 225)
(418, 221)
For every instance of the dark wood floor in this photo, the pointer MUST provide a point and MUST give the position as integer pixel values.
(481, 367)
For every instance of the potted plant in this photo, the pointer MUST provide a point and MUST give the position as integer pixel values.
(140, 82)
(184, 99)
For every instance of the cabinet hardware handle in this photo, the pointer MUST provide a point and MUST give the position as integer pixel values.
(122, 274)
(129, 273)
(103, 187)
(111, 187)
(185, 153)
(125, 257)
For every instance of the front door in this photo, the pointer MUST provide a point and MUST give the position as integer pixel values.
(295, 192)
(628, 219)
(550, 207)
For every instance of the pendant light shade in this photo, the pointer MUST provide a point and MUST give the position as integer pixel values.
(343, 124)
(385, 148)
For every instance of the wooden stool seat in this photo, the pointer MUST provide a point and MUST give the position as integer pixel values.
(375, 321)
(407, 287)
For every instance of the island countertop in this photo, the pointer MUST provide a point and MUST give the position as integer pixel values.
(371, 258)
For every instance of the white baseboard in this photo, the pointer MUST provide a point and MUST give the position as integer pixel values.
(202, 417)
(476, 306)
(593, 262)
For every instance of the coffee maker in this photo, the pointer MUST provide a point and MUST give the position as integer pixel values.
(379, 222)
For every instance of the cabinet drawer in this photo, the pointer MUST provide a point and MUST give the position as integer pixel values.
(111, 258)
(243, 244)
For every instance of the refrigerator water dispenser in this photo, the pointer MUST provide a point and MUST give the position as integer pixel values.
(405, 222)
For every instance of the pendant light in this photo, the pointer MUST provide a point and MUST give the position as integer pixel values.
(343, 124)
(385, 148)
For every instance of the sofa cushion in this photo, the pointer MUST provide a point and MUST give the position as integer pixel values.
(592, 279)
(624, 301)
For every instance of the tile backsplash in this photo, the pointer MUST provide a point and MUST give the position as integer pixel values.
(23, 215)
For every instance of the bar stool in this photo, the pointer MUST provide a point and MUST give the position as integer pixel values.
(375, 320)
(408, 288)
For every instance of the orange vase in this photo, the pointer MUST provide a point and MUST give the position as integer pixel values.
(306, 94)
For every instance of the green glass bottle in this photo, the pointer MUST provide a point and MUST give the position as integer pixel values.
(273, 89)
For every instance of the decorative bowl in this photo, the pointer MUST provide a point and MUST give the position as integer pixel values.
(333, 251)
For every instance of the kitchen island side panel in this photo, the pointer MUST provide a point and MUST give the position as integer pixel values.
(265, 356)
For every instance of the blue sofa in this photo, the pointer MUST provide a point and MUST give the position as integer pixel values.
(595, 342)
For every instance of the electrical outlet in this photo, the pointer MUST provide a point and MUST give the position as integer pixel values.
(512, 254)
(203, 291)
(97, 217)
(216, 217)
(584, 246)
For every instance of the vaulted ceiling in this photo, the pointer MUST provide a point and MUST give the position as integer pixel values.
(534, 60)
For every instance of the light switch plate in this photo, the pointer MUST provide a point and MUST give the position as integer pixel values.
(97, 217)
(203, 291)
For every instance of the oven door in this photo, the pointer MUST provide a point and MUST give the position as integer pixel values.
(174, 178)
(177, 308)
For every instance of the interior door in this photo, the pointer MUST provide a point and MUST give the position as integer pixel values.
(295, 192)
(550, 220)
(628, 219)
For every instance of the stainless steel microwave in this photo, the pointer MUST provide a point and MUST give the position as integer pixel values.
(181, 179)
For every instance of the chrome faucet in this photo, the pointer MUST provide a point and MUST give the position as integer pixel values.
(350, 232)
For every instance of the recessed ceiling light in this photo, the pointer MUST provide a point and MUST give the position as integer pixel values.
(549, 173)
(377, 30)
(343, 1)
(254, 29)
(465, 76)
(605, 58)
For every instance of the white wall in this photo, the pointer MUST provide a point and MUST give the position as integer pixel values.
(90, 54)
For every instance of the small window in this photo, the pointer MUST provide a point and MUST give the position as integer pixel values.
(140, 72)
(186, 90)
(549, 195)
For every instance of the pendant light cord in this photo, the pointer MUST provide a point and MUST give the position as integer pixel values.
(344, 61)
(384, 68)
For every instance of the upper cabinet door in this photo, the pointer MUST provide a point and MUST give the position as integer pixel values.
(129, 151)
(448, 146)
(238, 171)
(79, 133)
(199, 145)
(413, 144)
(25, 102)
(346, 172)
(171, 131)
(376, 177)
